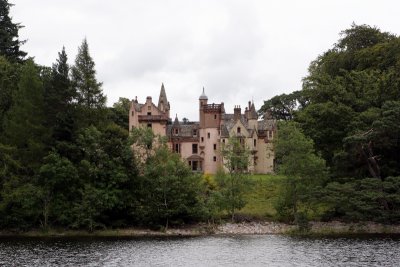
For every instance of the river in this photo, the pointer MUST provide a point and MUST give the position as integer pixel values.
(251, 250)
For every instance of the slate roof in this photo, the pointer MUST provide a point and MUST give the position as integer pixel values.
(228, 122)
(185, 130)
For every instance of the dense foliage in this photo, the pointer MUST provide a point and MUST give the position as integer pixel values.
(350, 108)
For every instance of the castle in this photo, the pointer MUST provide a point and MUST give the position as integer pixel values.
(199, 143)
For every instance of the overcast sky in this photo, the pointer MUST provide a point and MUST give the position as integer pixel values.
(237, 50)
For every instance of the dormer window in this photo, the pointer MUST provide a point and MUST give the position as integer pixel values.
(195, 133)
(238, 130)
(176, 131)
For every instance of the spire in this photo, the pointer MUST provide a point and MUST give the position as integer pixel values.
(163, 103)
(252, 112)
(203, 96)
(176, 121)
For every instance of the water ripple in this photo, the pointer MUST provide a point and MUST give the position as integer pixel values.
(267, 250)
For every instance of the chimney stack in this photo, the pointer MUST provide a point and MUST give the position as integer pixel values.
(236, 113)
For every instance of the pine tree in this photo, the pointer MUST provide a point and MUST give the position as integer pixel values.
(89, 91)
(90, 99)
(9, 42)
(59, 95)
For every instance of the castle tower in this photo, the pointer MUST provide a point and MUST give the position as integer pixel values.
(209, 129)
(252, 116)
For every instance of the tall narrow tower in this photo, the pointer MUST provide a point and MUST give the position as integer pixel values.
(163, 104)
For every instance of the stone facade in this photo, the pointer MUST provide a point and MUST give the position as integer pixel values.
(199, 143)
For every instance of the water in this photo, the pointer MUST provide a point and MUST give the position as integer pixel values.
(261, 250)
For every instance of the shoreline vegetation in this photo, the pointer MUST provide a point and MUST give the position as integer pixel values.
(68, 161)
(334, 228)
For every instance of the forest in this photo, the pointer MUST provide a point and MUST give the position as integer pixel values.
(67, 160)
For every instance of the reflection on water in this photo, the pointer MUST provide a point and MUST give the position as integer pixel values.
(267, 250)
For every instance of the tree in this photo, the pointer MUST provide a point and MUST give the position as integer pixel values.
(283, 107)
(58, 96)
(347, 88)
(89, 91)
(107, 175)
(303, 168)
(232, 184)
(57, 181)
(90, 98)
(24, 126)
(171, 191)
(9, 42)
(8, 83)
(119, 113)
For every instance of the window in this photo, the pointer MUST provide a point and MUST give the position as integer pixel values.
(202, 139)
(215, 116)
(149, 125)
(214, 158)
(255, 142)
(269, 134)
(132, 113)
(215, 146)
(148, 113)
(194, 148)
(194, 165)
(176, 131)
(223, 141)
(148, 107)
(177, 148)
(208, 135)
(238, 130)
(194, 132)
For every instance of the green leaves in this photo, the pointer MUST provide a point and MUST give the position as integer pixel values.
(304, 170)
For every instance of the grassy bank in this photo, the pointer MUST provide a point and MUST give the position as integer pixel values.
(261, 195)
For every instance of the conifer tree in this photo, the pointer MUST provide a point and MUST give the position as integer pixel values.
(90, 98)
(9, 42)
(59, 96)
(89, 91)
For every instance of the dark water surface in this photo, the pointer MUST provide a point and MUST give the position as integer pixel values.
(256, 250)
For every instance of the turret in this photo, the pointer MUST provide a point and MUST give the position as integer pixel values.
(252, 116)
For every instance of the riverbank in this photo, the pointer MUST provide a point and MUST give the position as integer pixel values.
(244, 228)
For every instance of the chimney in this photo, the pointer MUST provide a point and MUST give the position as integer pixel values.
(236, 113)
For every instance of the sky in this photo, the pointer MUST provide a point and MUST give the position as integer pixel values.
(238, 50)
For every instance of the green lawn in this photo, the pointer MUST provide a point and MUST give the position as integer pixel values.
(263, 191)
